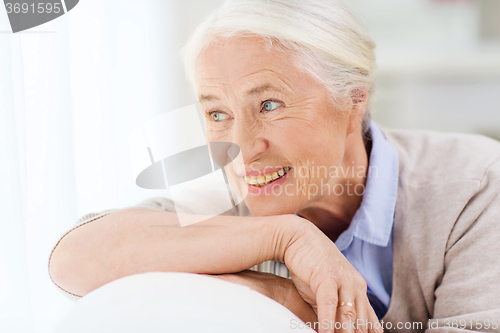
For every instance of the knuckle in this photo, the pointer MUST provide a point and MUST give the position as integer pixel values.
(348, 278)
(362, 328)
(361, 282)
(348, 315)
(334, 274)
(331, 302)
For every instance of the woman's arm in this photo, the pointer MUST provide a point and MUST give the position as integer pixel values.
(135, 241)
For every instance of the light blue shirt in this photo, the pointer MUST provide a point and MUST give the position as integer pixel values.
(368, 242)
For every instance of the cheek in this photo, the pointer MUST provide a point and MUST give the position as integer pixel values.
(309, 142)
(213, 133)
(301, 138)
(209, 135)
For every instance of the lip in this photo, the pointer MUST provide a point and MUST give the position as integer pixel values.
(269, 188)
(260, 172)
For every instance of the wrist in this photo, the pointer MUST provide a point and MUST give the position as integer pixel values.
(281, 232)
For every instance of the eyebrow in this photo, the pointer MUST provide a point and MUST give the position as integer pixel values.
(254, 91)
(259, 89)
(207, 98)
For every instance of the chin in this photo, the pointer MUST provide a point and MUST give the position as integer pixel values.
(269, 209)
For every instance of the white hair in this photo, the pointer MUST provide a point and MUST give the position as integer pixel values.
(329, 42)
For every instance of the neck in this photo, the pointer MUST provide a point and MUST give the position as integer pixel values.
(333, 213)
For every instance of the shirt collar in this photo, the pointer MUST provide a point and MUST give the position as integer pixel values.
(374, 218)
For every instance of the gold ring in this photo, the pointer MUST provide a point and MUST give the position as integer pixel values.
(346, 304)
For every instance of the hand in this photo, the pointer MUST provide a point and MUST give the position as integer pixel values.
(280, 289)
(325, 278)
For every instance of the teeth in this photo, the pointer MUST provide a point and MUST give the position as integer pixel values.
(251, 180)
(262, 180)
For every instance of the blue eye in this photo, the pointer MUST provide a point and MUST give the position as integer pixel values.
(270, 105)
(218, 116)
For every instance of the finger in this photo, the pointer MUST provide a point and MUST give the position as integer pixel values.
(363, 308)
(327, 299)
(375, 326)
(346, 314)
(305, 292)
(367, 319)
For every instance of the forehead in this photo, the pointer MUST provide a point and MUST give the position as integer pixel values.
(237, 63)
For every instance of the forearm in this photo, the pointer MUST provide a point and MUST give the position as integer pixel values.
(137, 241)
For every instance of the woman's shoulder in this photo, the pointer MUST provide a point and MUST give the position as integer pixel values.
(447, 181)
(430, 156)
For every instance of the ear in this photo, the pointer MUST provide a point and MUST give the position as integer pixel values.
(359, 102)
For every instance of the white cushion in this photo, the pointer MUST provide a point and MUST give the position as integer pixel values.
(177, 302)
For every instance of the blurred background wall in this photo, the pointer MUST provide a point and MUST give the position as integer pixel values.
(438, 61)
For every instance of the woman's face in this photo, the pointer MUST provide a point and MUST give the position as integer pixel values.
(278, 115)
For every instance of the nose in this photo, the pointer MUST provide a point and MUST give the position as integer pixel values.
(248, 135)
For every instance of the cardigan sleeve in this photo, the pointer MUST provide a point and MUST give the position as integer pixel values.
(87, 218)
(468, 296)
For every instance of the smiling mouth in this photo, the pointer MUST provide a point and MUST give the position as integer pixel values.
(263, 180)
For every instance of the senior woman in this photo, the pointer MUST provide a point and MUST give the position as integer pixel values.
(372, 224)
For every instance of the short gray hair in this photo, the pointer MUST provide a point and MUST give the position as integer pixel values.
(330, 42)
